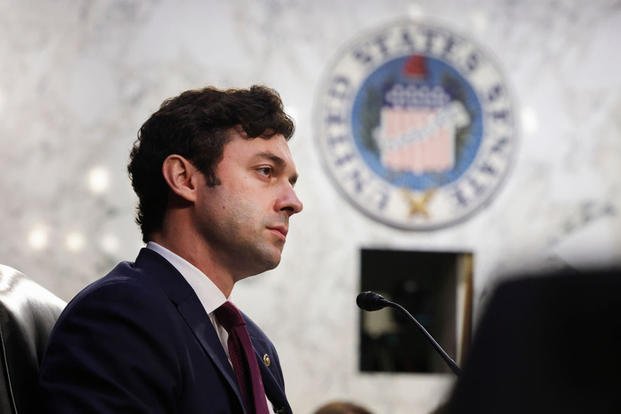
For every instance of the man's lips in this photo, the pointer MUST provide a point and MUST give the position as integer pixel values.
(280, 230)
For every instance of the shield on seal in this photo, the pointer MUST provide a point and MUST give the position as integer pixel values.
(417, 129)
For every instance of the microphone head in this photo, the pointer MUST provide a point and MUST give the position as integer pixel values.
(371, 301)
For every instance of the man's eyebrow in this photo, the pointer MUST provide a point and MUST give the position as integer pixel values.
(272, 157)
(278, 161)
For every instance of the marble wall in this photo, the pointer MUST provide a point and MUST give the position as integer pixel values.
(78, 77)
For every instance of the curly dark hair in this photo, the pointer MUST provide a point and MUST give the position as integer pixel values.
(196, 125)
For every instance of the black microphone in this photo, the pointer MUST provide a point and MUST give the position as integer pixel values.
(371, 301)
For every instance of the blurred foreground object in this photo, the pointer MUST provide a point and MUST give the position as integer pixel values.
(546, 344)
(341, 407)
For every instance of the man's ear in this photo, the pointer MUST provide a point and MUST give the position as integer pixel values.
(180, 175)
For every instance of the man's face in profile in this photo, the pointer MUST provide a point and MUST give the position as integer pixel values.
(245, 219)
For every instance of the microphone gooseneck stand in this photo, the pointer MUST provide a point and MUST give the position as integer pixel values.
(371, 301)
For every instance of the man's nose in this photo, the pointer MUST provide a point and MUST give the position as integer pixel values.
(290, 202)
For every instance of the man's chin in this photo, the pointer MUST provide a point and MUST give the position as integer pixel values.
(266, 263)
(272, 264)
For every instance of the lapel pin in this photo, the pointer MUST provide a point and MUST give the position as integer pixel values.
(266, 360)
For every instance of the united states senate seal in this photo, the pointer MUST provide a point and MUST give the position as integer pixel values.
(415, 124)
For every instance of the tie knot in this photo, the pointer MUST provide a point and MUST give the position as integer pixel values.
(229, 316)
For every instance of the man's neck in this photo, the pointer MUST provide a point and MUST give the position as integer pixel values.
(200, 258)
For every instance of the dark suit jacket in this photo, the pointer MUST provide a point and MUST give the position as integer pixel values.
(139, 341)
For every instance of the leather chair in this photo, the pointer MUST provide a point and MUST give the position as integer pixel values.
(27, 314)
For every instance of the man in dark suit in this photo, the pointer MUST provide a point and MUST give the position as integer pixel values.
(214, 177)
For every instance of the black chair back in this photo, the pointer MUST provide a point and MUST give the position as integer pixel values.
(28, 313)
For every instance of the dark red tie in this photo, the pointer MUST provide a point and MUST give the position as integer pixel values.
(243, 358)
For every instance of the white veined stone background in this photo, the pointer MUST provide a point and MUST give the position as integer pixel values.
(78, 78)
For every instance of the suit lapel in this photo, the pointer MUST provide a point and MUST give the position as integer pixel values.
(273, 387)
(158, 269)
(182, 295)
(274, 392)
(206, 335)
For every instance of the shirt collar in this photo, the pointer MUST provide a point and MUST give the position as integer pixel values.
(208, 293)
